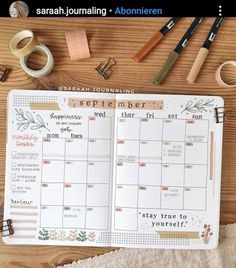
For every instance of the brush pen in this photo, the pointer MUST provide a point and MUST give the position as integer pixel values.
(150, 44)
(204, 50)
(173, 55)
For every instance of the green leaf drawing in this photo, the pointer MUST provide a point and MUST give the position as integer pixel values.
(40, 232)
(26, 119)
(199, 106)
(43, 235)
(82, 236)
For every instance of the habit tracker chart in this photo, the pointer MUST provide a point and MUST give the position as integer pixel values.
(133, 170)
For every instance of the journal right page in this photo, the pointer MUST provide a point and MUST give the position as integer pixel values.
(167, 171)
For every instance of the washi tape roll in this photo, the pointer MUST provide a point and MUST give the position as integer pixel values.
(218, 75)
(28, 48)
(46, 69)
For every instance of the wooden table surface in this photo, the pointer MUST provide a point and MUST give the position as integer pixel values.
(119, 38)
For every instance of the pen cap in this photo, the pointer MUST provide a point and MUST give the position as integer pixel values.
(166, 67)
(201, 56)
(148, 46)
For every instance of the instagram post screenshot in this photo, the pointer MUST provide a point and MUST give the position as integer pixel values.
(118, 137)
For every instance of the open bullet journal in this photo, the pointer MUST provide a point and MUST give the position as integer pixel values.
(130, 170)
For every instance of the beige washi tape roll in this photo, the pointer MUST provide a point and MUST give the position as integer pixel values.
(28, 48)
(46, 69)
(219, 79)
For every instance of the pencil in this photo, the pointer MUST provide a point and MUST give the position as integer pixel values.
(204, 50)
(151, 43)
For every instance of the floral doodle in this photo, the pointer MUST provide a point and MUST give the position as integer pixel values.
(206, 234)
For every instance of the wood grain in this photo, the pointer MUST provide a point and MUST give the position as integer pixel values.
(119, 38)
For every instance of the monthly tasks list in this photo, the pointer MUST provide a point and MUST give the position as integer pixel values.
(105, 169)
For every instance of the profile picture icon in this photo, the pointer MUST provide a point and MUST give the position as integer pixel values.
(19, 9)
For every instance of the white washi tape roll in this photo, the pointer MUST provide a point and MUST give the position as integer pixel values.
(219, 79)
(28, 48)
(45, 70)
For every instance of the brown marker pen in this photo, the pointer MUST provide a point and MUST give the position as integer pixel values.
(149, 45)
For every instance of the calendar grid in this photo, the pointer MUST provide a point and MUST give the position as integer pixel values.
(176, 139)
(72, 195)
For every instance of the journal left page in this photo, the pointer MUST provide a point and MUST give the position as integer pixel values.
(59, 167)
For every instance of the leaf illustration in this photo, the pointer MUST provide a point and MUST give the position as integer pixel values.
(189, 104)
(20, 118)
(30, 117)
(27, 119)
(25, 125)
(36, 127)
(199, 106)
(209, 103)
(41, 233)
(199, 102)
(20, 125)
(40, 119)
(82, 236)
(192, 110)
(201, 109)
